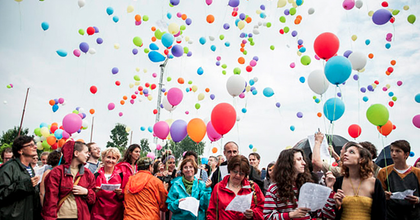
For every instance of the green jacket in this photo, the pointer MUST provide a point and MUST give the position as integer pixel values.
(18, 198)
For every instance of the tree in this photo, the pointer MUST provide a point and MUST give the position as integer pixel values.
(185, 145)
(9, 136)
(144, 144)
(119, 138)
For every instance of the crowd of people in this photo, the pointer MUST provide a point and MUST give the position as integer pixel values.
(81, 182)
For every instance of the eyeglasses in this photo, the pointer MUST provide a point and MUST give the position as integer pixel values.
(171, 162)
(237, 172)
(30, 145)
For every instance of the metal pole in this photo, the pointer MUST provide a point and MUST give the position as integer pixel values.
(23, 113)
(131, 136)
(91, 129)
(159, 99)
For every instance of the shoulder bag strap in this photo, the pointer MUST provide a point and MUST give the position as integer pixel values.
(67, 196)
(253, 191)
(217, 202)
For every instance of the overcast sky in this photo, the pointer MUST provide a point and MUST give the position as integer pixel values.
(28, 59)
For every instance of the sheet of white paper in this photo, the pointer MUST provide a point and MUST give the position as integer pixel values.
(198, 174)
(402, 195)
(190, 204)
(325, 154)
(39, 172)
(110, 187)
(313, 196)
(240, 203)
(223, 171)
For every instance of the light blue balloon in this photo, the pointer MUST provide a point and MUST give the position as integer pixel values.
(153, 46)
(109, 10)
(43, 124)
(58, 134)
(302, 50)
(142, 128)
(262, 15)
(254, 92)
(251, 82)
(317, 100)
(334, 109)
(227, 44)
(45, 25)
(244, 110)
(292, 128)
(200, 71)
(202, 40)
(387, 45)
(167, 39)
(213, 48)
(417, 98)
(169, 15)
(390, 94)
(155, 56)
(338, 70)
(365, 98)
(55, 108)
(302, 79)
(150, 129)
(61, 53)
(115, 19)
(251, 146)
(268, 92)
(299, 2)
(204, 160)
(367, 41)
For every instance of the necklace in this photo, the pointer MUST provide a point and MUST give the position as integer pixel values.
(233, 186)
(356, 193)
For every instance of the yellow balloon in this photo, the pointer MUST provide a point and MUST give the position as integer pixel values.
(18, 0)
(388, 86)
(281, 3)
(258, 11)
(130, 9)
(254, 149)
(137, 83)
(370, 13)
(194, 88)
(241, 24)
(131, 85)
(39, 146)
(117, 46)
(187, 38)
(354, 37)
(294, 4)
(362, 70)
(200, 96)
(298, 53)
(150, 97)
(248, 88)
(137, 69)
(290, 1)
(173, 28)
(45, 132)
(288, 147)
(406, 7)
(374, 85)
(127, 129)
(144, 70)
(169, 121)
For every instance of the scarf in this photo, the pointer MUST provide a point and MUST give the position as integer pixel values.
(188, 185)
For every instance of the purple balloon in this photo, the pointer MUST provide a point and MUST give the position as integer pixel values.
(242, 35)
(339, 94)
(347, 53)
(381, 16)
(255, 58)
(145, 91)
(250, 35)
(242, 16)
(294, 33)
(99, 40)
(300, 41)
(262, 7)
(84, 47)
(226, 26)
(355, 77)
(161, 105)
(233, 3)
(286, 12)
(299, 114)
(188, 21)
(174, 2)
(115, 70)
(416, 121)
(217, 63)
(212, 96)
(363, 89)
(189, 54)
(177, 50)
(96, 29)
(370, 88)
(178, 130)
(135, 51)
(163, 90)
(278, 104)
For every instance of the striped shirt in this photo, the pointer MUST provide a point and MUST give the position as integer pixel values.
(28, 168)
(276, 209)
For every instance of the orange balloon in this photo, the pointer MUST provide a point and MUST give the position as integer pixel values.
(393, 62)
(214, 150)
(137, 17)
(52, 102)
(387, 73)
(385, 129)
(153, 28)
(125, 97)
(370, 55)
(207, 90)
(61, 142)
(248, 20)
(299, 17)
(242, 45)
(81, 140)
(54, 124)
(153, 38)
(180, 80)
(196, 129)
(166, 93)
(122, 102)
(241, 60)
(319, 114)
(242, 49)
(51, 140)
(297, 21)
(92, 111)
(210, 19)
(184, 17)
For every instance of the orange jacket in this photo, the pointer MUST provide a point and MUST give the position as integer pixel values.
(144, 197)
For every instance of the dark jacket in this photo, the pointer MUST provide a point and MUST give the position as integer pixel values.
(18, 198)
(378, 204)
(253, 175)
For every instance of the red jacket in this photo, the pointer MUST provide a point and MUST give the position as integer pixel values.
(127, 171)
(224, 196)
(108, 205)
(59, 183)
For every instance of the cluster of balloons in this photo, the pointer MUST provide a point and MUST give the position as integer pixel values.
(54, 103)
(50, 137)
(9, 86)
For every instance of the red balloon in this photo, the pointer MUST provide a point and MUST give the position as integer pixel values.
(147, 85)
(249, 68)
(140, 88)
(118, 83)
(53, 128)
(326, 45)
(93, 89)
(355, 130)
(155, 111)
(153, 86)
(386, 129)
(391, 103)
(90, 30)
(223, 118)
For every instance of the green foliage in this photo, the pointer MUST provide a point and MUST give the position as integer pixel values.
(9, 136)
(119, 138)
(2, 148)
(185, 145)
(144, 144)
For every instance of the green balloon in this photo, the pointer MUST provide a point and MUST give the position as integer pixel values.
(377, 114)
(186, 50)
(395, 12)
(282, 19)
(145, 18)
(37, 132)
(272, 47)
(224, 72)
(81, 32)
(9, 86)
(292, 11)
(197, 106)
(221, 37)
(46, 145)
(137, 77)
(286, 30)
(182, 27)
(314, 97)
(224, 66)
(252, 43)
(137, 41)
(75, 112)
(268, 24)
(237, 71)
(190, 82)
(305, 60)
(411, 19)
(394, 98)
(245, 52)
(168, 79)
(158, 34)
(146, 50)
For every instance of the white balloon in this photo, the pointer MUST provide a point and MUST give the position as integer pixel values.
(317, 82)
(255, 31)
(255, 79)
(81, 3)
(85, 124)
(37, 139)
(167, 105)
(311, 11)
(211, 38)
(235, 85)
(359, 4)
(238, 118)
(5, 102)
(92, 51)
(358, 60)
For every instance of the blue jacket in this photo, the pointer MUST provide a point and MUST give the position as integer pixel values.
(178, 191)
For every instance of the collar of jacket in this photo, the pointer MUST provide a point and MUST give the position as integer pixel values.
(67, 170)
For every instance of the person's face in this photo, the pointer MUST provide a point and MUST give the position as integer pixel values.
(398, 154)
(230, 151)
(110, 160)
(95, 151)
(270, 171)
(29, 150)
(171, 164)
(7, 157)
(236, 175)
(299, 163)
(212, 161)
(44, 159)
(418, 164)
(161, 166)
(221, 159)
(253, 160)
(351, 156)
(34, 160)
(191, 157)
(135, 154)
(188, 170)
(83, 155)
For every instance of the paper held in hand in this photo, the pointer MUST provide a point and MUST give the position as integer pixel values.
(190, 204)
(240, 203)
(110, 187)
(313, 196)
(402, 195)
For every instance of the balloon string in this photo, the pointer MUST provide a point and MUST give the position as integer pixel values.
(386, 169)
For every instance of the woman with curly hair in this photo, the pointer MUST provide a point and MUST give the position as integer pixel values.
(281, 199)
(358, 194)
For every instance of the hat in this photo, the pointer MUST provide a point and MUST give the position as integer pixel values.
(144, 162)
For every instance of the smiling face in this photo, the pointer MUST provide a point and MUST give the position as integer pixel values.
(299, 163)
(110, 160)
(83, 155)
(188, 171)
(171, 164)
(135, 154)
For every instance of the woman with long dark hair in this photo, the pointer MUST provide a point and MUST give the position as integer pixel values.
(359, 195)
(281, 199)
(268, 180)
(128, 165)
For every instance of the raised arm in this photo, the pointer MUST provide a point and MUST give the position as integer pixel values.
(316, 154)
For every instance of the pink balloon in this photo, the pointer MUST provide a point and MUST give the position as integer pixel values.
(151, 155)
(76, 52)
(61, 100)
(292, 65)
(211, 133)
(253, 63)
(132, 101)
(65, 135)
(111, 106)
(208, 2)
(72, 123)
(242, 95)
(158, 147)
(416, 121)
(120, 114)
(161, 129)
(348, 4)
(174, 96)
(154, 75)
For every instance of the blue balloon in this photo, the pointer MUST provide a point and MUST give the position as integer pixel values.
(188, 21)
(99, 40)
(302, 79)
(254, 92)
(213, 48)
(365, 98)
(244, 110)
(227, 44)
(317, 100)
(251, 146)
(61, 53)
(417, 98)
(177, 50)
(212, 96)
(251, 82)
(43, 124)
(58, 134)
(187, 89)
(45, 25)
(292, 128)
(302, 50)
(278, 104)
(150, 129)
(174, 2)
(153, 46)
(115, 19)
(391, 94)
(363, 89)
(145, 91)
(412, 154)
(142, 128)
(167, 39)
(84, 47)
(338, 70)
(333, 109)
(155, 56)
(387, 45)
(381, 16)
(367, 41)
(135, 51)
(109, 10)
(169, 15)
(204, 160)
(299, 2)
(262, 15)
(347, 53)
(267, 92)
(55, 108)
(202, 40)
(200, 71)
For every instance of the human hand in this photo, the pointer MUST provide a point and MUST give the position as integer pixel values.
(118, 191)
(80, 191)
(299, 212)
(208, 182)
(180, 200)
(165, 185)
(249, 213)
(319, 137)
(329, 179)
(338, 197)
(35, 180)
(97, 189)
(388, 195)
(412, 199)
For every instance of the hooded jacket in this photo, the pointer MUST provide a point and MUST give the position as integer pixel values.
(178, 191)
(59, 183)
(144, 197)
(222, 196)
(18, 198)
(108, 204)
(127, 170)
